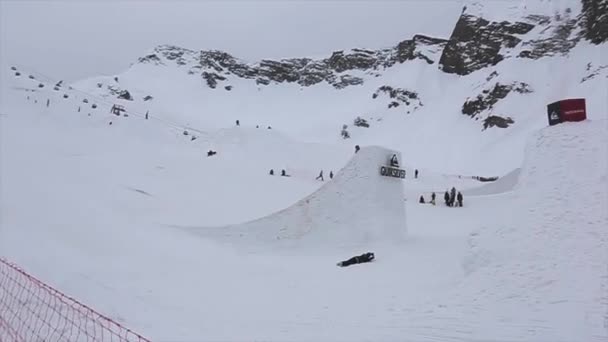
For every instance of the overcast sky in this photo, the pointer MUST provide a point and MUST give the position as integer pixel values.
(82, 38)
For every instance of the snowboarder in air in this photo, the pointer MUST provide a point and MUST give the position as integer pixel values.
(331, 174)
(416, 173)
(366, 257)
(421, 199)
(433, 198)
(459, 199)
(271, 172)
(446, 198)
(320, 176)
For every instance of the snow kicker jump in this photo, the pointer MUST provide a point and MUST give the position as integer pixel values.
(360, 206)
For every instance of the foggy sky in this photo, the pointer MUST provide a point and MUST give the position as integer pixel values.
(78, 39)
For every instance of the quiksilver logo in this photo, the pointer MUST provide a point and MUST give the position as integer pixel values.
(554, 116)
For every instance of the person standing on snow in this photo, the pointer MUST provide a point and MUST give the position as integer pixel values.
(320, 176)
(331, 174)
(416, 173)
(459, 199)
(433, 198)
(452, 196)
(446, 198)
(421, 201)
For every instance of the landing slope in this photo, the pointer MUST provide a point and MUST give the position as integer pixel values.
(358, 207)
(540, 275)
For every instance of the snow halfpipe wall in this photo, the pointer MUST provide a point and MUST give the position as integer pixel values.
(359, 206)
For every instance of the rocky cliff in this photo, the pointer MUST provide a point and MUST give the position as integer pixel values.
(476, 43)
(215, 66)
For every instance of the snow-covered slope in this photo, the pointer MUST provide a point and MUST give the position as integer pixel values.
(408, 93)
(106, 199)
(541, 275)
(96, 204)
(358, 207)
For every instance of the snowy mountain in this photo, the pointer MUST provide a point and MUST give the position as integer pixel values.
(130, 215)
(401, 91)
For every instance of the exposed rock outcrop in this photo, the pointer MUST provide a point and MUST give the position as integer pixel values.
(212, 79)
(497, 121)
(476, 43)
(213, 65)
(594, 20)
(561, 40)
(125, 95)
(399, 97)
(360, 122)
(594, 72)
(489, 98)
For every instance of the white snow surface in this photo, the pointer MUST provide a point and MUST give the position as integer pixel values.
(358, 208)
(135, 220)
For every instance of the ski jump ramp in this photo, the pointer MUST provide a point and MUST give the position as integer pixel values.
(359, 206)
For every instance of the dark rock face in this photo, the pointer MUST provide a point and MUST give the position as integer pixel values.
(594, 20)
(561, 40)
(212, 79)
(125, 95)
(304, 71)
(594, 72)
(152, 58)
(476, 43)
(120, 93)
(399, 97)
(489, 98)
(360, 122)
(497, 121)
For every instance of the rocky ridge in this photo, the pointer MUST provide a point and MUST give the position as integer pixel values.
(476, 43)
(216, 66)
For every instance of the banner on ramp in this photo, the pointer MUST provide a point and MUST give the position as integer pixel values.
(393, 170)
